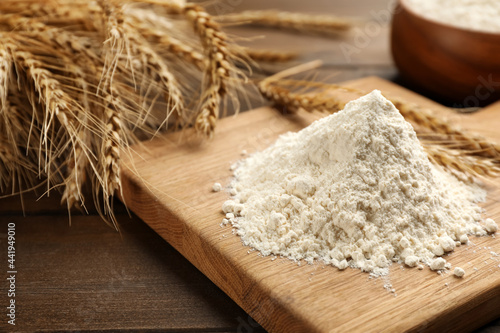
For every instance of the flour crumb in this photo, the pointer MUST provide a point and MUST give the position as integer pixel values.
(447, 243)
(217, 187)
(459, 272)
(411, 261)
(228, 206)
(490, 226)
(438, 264)
(354, 189)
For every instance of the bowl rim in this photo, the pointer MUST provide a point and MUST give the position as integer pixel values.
(487, 34)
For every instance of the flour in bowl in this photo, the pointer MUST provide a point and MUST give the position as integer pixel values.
(479, 15)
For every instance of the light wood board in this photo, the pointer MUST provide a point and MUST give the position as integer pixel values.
(168, 184)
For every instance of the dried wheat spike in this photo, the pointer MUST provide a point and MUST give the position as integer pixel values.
(112, 142)
(474, 144)
(125, 41)
(180, 49)
(218, 71)
(8, 167)
(294, 101)
(12, 161)
(62, 39)
(270, 55)
(305, 23)
(55, 100)
(455, 160)
(156, 68)
(51, 11)
(116, 43)
(5, 71)
(77, 164)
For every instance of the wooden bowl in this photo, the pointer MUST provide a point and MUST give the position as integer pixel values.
(460, 65)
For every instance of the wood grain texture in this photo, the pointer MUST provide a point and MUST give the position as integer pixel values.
(89, 277)
(169, 187)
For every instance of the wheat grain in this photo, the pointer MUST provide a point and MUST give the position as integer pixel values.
(305, 23)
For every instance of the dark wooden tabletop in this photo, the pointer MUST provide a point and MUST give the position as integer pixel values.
(84, 276)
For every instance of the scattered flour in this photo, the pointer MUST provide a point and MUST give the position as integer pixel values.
(217, 187)
(491, 226)
(459, 272)
(352, 189)
(480, 15)
(438, 264)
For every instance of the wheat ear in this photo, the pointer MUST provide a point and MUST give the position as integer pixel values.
(174, 46)
(472, 143)
(76, 171)
(125, 40)
(219, 68)
(294, 101)
(270, 55)
(57, 103)
(110, 152)
(305, 23)
(455, 160)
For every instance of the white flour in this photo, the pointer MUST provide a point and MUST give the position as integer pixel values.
(352, 189)
(480, 15)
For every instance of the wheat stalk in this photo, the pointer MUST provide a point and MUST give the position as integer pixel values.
(304, 23)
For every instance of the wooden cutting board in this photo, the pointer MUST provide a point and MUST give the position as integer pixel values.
(168, 184)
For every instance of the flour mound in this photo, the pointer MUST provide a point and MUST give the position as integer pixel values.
(352, 189)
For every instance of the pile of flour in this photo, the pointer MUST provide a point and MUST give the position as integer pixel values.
(352, 189)
(480, 15)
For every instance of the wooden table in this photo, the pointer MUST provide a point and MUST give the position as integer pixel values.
(86, 276)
